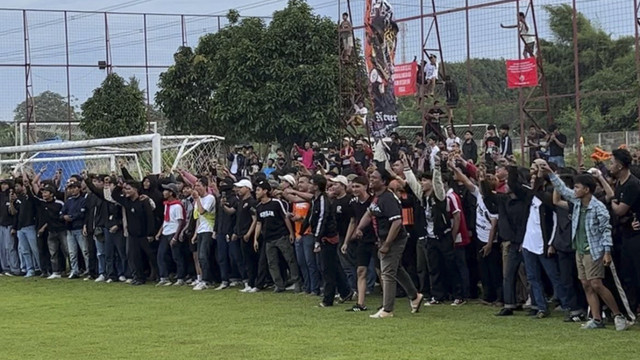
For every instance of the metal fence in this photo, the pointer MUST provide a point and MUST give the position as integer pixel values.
(71, 52)
(463, 32)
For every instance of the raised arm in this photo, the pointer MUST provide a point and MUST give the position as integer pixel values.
(562, 189)
(438, 186)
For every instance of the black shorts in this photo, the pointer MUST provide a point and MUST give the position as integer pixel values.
(364, 252)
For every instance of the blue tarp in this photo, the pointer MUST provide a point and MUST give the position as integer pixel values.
(69, 167)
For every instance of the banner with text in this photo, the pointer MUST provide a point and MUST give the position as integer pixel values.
(404, 79)
(522, 73)
(379, 51)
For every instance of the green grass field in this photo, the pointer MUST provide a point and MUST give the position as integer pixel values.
(63, 319)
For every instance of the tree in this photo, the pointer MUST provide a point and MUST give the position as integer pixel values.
(116, 108)
(48, 107)
(255, 82)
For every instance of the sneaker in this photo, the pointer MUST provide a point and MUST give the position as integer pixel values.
(578, 318)
(621, 322)
(593, 324)
(88, 278)
(246, 288)
(163, 282)
(542, 314)
(381, 314)
(180, 282)
(128, 281)
(122, 279)
(236, 283)
(222, 286)
(505, 312)
(44, 275)
(109, 281)
(416, 303)
(73, 275)
(8, 273)
(136, 283)
(30, 274)
(253, 290)
(432, 302)
(357, 308)
(290, 287)
(201, 286)
(342, 300)
(527, 304)
(100, 278)
(195, 283)
(458, 302)
(324, 305)
(54, 276)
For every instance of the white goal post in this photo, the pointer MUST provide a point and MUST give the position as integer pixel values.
(140, 154)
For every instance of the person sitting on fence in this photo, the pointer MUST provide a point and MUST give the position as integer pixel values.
(431, 74)
(360, 117)
(451, 93)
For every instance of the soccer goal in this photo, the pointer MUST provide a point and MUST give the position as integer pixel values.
(140, 154)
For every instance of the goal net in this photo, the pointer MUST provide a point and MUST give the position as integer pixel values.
(141, 155)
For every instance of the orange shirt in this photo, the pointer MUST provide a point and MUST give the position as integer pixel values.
(300, 210)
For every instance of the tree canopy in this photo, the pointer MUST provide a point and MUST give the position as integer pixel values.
(116, 108)
(48, 106)
(250, 81)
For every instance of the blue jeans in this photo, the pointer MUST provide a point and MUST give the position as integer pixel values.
(115, 242)
(8, 253)
(307, 262)
(558, 160)
(28, 247)
(205, 246)
(101, 257)
(76, 240)
(461, 263)
(534, 264)
(164, 256)
(223, 256)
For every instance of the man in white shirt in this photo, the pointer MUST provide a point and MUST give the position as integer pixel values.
(451, 139)
(431, 75)
(174, 220)
(528, 37)
(205, 213)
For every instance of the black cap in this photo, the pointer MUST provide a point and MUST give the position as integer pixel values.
(263, 184)
(49, 188)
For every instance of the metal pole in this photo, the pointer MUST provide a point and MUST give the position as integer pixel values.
(576, 71)
(469, 107)
(421, 83)
(107, 43)
(29, 108)
(146, 68)
(66, 46)
(539, 60)
(435, 20)
(184, 30)
(636, 21)
(520, 96)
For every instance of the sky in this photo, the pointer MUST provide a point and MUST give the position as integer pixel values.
(86, 35)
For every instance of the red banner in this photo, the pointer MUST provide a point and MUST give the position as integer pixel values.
(522, 73)
(404, 79)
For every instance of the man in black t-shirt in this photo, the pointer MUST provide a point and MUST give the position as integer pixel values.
(365, 247)
(626, 205)
(341, 203)
(385, 213)
(243, 231)
(277, 232)
(556, 143)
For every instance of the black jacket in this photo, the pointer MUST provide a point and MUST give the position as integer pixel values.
(321, 218)
(470, 151)
(140, 220)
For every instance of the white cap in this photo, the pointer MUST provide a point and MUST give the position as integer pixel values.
(244, 183)
(288, 178)
(340, 179)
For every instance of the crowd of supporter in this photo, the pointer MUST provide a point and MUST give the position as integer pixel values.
(434, 220)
